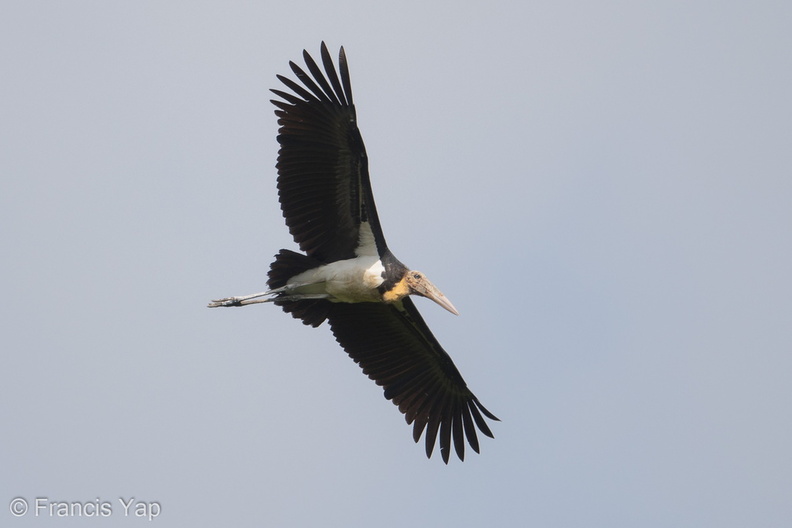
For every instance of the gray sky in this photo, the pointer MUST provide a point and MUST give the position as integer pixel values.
(603, 190)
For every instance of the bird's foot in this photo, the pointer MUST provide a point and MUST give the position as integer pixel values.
(239, 301)
(228, 301)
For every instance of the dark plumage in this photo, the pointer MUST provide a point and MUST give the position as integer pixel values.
(348, 276)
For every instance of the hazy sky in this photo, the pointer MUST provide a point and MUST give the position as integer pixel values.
(603, 189)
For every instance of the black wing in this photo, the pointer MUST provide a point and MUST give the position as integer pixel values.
(323, 180)
(395, 348)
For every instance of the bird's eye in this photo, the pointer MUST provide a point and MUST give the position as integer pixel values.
(416, 276)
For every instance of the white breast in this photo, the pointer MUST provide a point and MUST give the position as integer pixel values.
(352, 280)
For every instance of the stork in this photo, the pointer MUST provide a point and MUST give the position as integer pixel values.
(347, 275)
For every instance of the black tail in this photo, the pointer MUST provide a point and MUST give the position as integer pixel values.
(287, 264)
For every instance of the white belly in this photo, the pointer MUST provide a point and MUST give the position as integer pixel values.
(352, 280)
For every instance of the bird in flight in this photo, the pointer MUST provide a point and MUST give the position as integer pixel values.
(347, 275)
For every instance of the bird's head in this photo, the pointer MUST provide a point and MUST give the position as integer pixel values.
(418, 284)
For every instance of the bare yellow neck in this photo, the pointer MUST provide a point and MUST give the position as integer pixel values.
(399, 291)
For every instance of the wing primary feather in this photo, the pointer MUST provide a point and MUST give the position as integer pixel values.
(482, 425)
(418, 428)
(445, 431)
(431, 435)
(445, 441)
(344, 68)
(320, 78)
(459, 436)
(289, 98)
(299, 90)
(485, 411)
(436, 419)
(470, 429)
(333, 76)
(308, 82)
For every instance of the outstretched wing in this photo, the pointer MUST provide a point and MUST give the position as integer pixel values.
(323, 180)
(395, 348)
